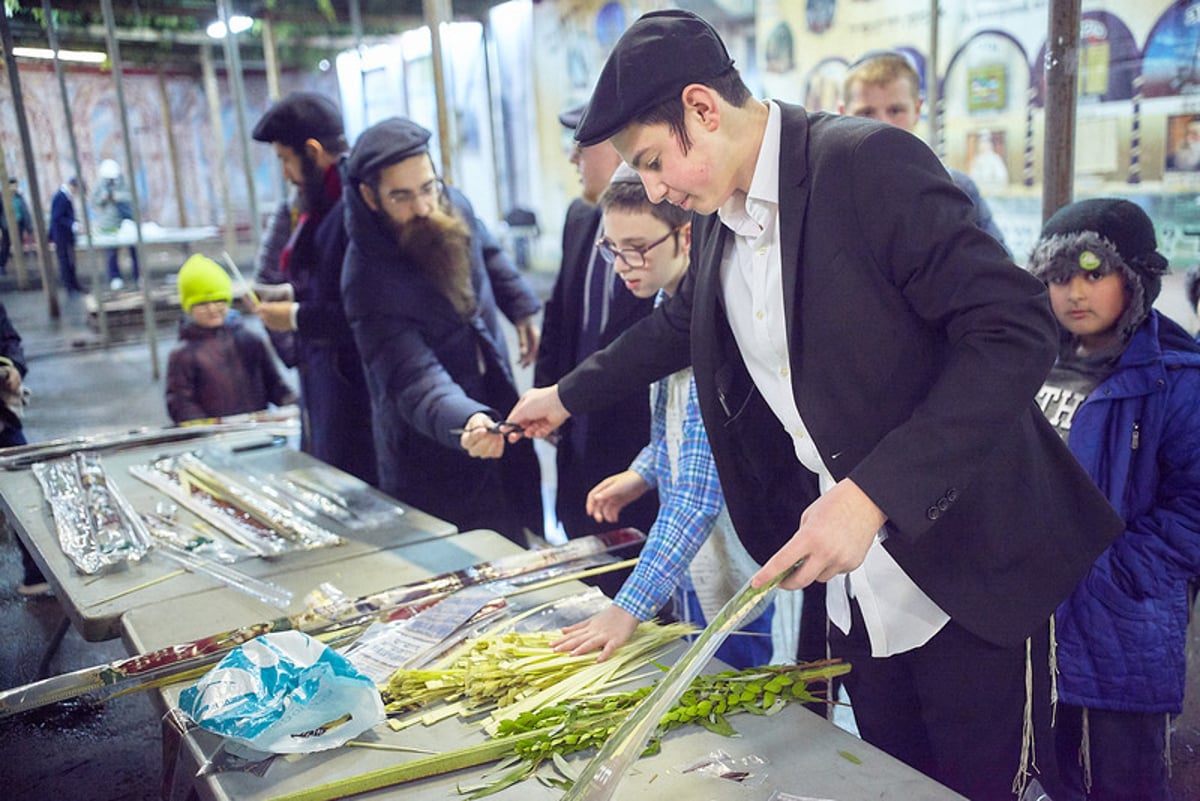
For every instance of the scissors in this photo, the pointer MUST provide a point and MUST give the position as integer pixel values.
(503, 427)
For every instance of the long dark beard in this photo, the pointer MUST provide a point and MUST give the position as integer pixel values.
(439, 246)
(311, 197)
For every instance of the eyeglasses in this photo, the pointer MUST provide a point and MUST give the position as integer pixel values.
(633, 256)
(406, 197)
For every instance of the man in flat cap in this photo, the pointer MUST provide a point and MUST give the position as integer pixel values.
(306, 132)
(587, 310)
(848, 323)
(424, 285)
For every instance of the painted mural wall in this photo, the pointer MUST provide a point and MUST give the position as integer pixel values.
(201, 152)
(1139, 88)
(1139, 107)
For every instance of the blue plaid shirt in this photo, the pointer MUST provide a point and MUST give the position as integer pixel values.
(688, 505)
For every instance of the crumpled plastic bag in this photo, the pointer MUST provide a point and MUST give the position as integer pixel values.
(284, 693)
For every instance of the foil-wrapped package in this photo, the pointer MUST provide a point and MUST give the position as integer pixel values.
(97, 528)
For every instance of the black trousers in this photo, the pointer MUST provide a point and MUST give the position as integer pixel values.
(954, 708)
(1127, 755)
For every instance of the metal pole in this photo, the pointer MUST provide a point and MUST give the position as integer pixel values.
(10, 218)
(274, 92)
(1062, 71)
(172, 152)
(356, 30)
(504, 185)
(932, 90)
(213, 93)
(433, 19)
(93, 256)
(148, 318)
(271, 57)
(233, 63)
(35, 196)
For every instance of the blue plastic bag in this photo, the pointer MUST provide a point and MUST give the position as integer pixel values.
(284, 693)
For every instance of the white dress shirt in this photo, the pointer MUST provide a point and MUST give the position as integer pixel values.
(899, 616)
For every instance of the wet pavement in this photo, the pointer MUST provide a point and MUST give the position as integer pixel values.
(75, 750)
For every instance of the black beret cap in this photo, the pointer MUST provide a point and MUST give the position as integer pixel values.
(661, 53)
(383, 144)
(571, 117)
(299, 117)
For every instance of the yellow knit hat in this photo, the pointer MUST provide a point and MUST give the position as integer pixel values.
(202, 280)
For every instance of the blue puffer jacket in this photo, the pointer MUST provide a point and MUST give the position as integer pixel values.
(1121, 634)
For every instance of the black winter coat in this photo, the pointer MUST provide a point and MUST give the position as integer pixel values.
(429, 370)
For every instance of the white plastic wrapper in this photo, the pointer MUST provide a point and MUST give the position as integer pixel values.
(284, 693)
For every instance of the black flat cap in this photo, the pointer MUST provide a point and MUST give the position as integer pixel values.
(299, 117)
(570, 118)
(384, 144)
(661, 53)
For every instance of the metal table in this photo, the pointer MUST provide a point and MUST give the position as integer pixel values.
(94, 604)
(804, 754)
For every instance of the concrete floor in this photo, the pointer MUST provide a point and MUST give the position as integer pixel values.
(87, 752)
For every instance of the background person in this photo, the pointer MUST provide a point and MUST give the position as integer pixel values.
(307, 134)
(424, 286)
(587, 310)
(884, 85)
(12, 400)
(1125, 396)
(112, 200)
(62, 233)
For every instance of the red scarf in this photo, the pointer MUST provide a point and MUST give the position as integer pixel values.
(333, 191)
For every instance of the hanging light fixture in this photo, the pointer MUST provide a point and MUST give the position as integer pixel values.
(238, 23)
(81, 56)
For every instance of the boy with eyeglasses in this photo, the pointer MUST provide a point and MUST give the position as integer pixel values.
(647, 245)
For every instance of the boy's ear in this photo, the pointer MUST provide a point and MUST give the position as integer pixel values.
(700, 103)
(369, 197)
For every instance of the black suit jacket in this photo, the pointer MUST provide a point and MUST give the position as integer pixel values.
(617, 431)
(916, 349)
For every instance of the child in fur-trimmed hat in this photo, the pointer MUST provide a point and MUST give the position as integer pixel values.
(1125, 395)
(218, 367)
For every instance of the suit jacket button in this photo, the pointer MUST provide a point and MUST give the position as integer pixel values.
(943, 504)
(952, 495)
(933, 513)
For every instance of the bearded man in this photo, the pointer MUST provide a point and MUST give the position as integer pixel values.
(308, 137)
(424, 284)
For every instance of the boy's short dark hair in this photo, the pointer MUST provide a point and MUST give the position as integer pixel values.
(729, 86)
(631, 196)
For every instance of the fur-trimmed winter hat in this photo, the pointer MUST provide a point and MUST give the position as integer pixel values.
(1102, 236)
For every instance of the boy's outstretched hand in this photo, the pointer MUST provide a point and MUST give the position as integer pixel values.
(538, 412)
(606, 500)
(607, 630)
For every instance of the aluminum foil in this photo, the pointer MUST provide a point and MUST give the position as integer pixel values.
(97, 528)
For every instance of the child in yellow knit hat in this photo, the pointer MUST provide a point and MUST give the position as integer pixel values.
(218, 367)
